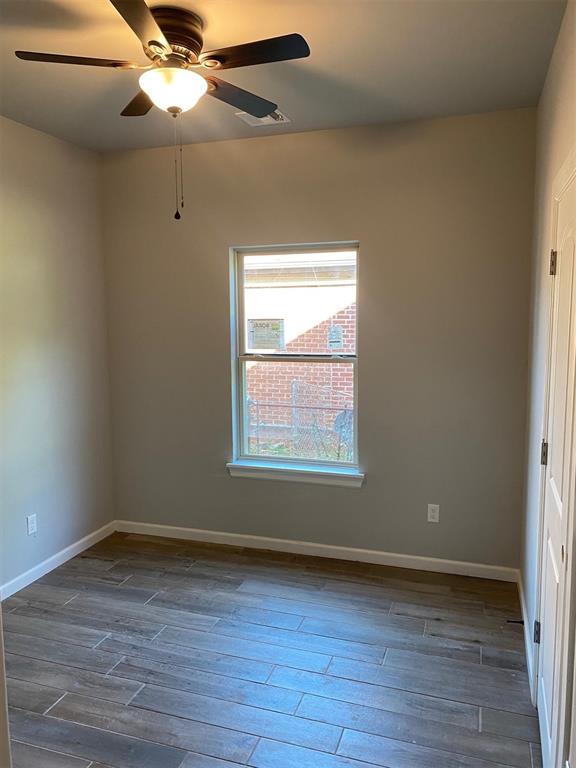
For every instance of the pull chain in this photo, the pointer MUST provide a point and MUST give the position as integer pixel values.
(177, 215)
(178, 167)
(181, 166)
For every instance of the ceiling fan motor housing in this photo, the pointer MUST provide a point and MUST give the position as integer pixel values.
(183, 30)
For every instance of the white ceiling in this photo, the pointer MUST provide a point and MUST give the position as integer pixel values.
(372, 61)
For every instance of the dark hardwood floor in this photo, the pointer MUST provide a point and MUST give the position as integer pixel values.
(157, 653)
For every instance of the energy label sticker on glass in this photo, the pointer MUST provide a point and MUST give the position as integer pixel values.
(335, 337)
(266, 334)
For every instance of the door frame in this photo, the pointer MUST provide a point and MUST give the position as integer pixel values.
(564, 178)
(571, 737)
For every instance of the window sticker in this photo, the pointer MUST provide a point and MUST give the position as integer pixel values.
(266, 334)
(335, 337)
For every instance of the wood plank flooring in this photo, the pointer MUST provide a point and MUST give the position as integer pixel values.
(155, 653)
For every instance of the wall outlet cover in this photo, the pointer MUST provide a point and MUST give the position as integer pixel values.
(31, 525)
(433, 513)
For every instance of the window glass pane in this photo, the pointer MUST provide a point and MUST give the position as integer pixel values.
(302, 303)
(299, 410)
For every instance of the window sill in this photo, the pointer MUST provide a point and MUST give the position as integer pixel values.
(297, 473)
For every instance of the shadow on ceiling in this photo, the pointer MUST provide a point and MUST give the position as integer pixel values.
(41, 14)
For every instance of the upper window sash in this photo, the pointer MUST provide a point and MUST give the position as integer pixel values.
(319, 271)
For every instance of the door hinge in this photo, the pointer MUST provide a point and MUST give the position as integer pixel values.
(553, 261)
(537, 632)
(544, 453)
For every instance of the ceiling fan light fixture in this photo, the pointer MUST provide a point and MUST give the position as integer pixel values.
(173, 89)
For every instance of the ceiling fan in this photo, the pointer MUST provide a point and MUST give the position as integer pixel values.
(172, 40)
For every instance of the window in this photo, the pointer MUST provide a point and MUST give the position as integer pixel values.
(294, 363)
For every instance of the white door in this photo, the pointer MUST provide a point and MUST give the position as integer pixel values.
(558, 483)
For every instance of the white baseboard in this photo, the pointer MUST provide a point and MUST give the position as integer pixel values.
(417, 562)
(501, 573)
(59, 558)
(528, 640)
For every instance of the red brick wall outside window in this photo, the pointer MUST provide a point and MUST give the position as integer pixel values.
(305, 409)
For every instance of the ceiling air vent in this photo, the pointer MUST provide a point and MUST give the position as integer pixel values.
(276, 118)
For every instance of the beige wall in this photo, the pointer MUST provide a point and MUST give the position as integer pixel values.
(54, 414)
(442, 210)
(556, 139)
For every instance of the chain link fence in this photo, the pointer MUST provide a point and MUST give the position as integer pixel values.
(317, 423)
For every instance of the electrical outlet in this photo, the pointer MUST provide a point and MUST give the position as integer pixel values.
(31, 525)
(433, 513)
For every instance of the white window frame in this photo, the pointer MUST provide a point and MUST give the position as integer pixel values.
(269, 468)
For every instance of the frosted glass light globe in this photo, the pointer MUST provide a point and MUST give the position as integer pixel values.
(172, 89)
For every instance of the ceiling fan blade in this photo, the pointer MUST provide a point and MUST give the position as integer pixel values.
(260, 52)
(56, 58)
(140, 105)
(237, 97)
(140, 20)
